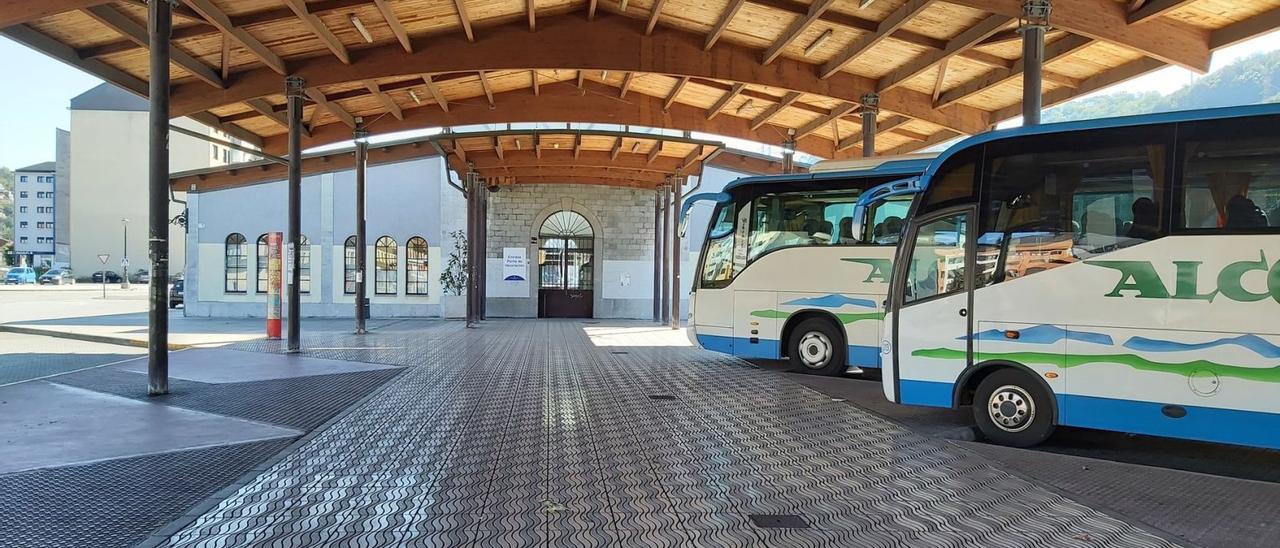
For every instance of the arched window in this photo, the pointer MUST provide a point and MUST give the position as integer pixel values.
(262, 264)
(415, 266)
(384, 265)
(304, 264)
(236, 264)
(349, 266)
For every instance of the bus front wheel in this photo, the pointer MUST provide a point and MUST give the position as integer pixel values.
(1011, 408)
(817, 348)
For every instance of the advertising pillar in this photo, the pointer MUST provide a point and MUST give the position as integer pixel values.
(275, 275)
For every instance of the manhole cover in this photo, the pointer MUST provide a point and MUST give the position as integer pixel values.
(778, 521)
(661, 397)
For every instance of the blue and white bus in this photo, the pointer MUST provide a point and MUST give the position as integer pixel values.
(1119, 274)
(797, 266)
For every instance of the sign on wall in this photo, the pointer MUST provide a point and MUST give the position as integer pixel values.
(515, 264)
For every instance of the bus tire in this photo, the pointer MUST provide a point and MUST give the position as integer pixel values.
(1011, 408)
(817, 348)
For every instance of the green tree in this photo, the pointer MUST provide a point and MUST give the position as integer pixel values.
(6, 203)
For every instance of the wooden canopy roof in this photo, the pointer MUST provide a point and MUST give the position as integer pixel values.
(750, 69)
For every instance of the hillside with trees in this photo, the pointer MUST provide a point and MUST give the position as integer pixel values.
(1252, 80)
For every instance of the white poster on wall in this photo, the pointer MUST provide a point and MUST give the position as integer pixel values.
(515, 264)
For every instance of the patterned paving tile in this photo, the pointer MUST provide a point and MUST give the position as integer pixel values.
(545, 433)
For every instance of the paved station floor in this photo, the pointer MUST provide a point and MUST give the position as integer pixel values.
(571, 433)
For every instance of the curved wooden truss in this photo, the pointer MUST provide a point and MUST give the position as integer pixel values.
(752, 69)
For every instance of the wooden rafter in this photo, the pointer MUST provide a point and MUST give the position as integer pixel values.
(654, 152)
(389, 15)
(533, 81)
(616, 150)
(464, 19)
(726, 17)
(626, 84)
(1055, 50)
(261, 106)
(219, 19)
(1154, 8)
(577, 146)
(581, 77)
(434, 90)
(941, 79)
(497, 147)
(653, 16)
(225, 59)
(797, 27)
(675, 92)
(137, 32)
(816, 124)
(725, 99)
(488, 90)
(893, 22)
(532, 11)
(318, 28)
(692, 158)
(591, 10)
(882, 126)
(333, 108)
(965, 40)
(386, 100)
(537, 146)
(773, 110)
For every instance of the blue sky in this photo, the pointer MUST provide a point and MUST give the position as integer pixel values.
(36, 90)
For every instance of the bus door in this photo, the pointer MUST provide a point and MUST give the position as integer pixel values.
(932, 323)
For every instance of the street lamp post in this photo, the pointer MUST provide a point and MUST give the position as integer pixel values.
(124, 262)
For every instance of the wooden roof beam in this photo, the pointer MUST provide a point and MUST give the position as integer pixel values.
(617, 148)
(497, 147)
(137, 32)
(386, 100)
(488, 91)
(537, 145)
(675, 92)
(963, 41)
(1154, 8)
(626, 84)
(464, 19)
(219, 19)
(795, 29)
(333, 108)
(17, 12)
(882, 126)
(692, 158)
(1108, 21)
(1055, 50)
(725, 99)
(531, 10)
(772, 111)
(653, 15)
(654, 152)
(318, 28)
(434, 90)
(1244, 30)
(389, 15)
(261, 106)
(591, 10)
(893, 22)
(577, 145)
(533, 81)
(835, 114)
(723, 23)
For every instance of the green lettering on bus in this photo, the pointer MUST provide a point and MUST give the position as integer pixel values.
(1188, 279)
(1231, 280)
(1141, 277)
(1144, 278)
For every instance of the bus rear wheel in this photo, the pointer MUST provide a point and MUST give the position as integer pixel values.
(816, 348)
(1011, 408)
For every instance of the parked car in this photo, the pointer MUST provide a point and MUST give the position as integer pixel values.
(175, 294)
(113, 277)
(142, 276)
(20, 275)
(57, 276)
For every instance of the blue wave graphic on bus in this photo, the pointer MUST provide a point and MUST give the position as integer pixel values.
(1042, 334)
(831, 301)
(1257, 344)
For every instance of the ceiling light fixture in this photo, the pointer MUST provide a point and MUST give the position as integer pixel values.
(355, 21)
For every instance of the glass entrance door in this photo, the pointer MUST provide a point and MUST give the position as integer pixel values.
(566, 266)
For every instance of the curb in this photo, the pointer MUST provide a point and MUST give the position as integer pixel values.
(105, 339)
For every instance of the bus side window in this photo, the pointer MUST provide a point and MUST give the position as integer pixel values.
(1058, 199)
(1230, 177)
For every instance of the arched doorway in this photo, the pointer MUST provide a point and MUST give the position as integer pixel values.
(566, 266)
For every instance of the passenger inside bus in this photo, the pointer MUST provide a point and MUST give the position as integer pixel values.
(1146, 220)
(1242, 213)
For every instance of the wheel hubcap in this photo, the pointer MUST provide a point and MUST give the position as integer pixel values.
(1011, 408)
(815, 350)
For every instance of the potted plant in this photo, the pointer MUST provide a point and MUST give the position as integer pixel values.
(453, 279)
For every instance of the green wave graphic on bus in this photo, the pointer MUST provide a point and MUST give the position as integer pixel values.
(845, 318)
(1065, 361)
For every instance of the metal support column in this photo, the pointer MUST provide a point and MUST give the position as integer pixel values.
(293, 90)
(870, 109)
(160, 25)
(482, 224)
(361, 136)
(666, 254)
(1034, 25)
(677, 187)
(472, 183)
(657, 253)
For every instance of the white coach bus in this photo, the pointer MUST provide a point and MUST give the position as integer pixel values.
(1119, 274)
(797, 266)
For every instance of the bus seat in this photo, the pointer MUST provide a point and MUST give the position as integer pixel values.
(846, 230)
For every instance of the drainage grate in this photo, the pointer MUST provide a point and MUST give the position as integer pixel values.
(778, 521)
(661, 397)
(619, 352)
